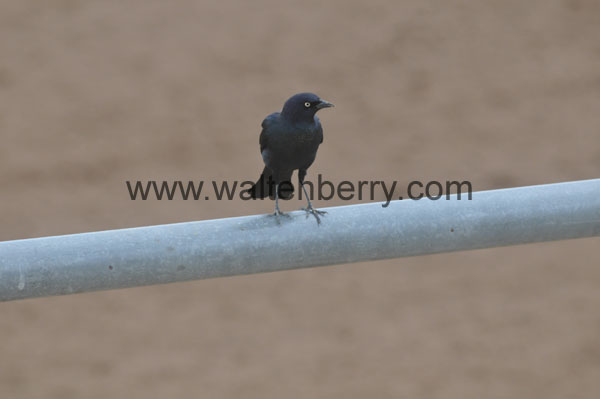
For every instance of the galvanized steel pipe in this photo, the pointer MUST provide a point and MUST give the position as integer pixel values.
(252, 244)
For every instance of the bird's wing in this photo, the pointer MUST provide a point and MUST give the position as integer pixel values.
(320, 130)
(266, 123)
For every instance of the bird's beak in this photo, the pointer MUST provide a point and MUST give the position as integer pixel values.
(324, 104)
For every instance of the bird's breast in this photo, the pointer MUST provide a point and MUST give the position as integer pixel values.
(294, 149)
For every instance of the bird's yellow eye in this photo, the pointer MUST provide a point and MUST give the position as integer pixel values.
(307, 104)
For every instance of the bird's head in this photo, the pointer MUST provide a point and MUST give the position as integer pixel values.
(303, 107)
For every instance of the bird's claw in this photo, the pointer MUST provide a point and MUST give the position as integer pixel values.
(315, 212)
(278, 213)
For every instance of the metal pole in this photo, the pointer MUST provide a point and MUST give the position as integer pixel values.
(252, 244)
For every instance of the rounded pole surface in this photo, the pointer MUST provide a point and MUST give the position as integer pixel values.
(252, 244)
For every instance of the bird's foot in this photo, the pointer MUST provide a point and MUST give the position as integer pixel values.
(278, 214)
(315, 212)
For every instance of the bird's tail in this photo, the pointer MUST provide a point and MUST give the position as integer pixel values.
(265, 187)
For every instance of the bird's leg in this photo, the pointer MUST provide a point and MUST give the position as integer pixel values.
(309, 209)
(278, 212)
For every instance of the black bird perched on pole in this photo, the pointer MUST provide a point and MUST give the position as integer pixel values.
(289, 141)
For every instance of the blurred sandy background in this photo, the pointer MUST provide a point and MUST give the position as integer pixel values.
(502, 93)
